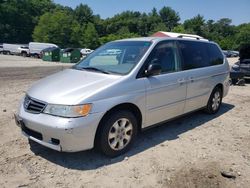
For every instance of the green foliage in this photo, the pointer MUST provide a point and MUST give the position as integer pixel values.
(179, 29)
(195, 25)
(169, 17)
(19, 17)
(56, 27)
(83, 14)
(23, 21)
(243, 35)
(91, 38)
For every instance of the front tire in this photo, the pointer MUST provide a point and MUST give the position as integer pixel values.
(214, 101)
(117, 133)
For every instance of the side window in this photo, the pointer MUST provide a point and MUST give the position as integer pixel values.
(194, 54)
(215, 56)
(165, 54)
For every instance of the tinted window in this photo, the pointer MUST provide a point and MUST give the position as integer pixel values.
(165, 54)
(215, 56)
(118, 57)
(194, 54)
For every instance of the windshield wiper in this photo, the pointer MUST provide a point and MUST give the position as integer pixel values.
(94, 69)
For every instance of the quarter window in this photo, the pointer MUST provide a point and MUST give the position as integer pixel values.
(215, 56)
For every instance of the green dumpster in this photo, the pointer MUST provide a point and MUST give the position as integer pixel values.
(51, 54)
(70, 55)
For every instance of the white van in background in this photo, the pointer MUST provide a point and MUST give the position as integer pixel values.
(12, 49)
(35, 48)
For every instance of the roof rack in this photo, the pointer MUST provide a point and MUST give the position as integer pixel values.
(191, 36)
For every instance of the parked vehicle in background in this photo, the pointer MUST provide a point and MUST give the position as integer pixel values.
(1, 48)
(231, 53)
(106, 98)
(11, 49)
(86, 51)
(226, 53)
(241, 69)
(234, 53)
(24, 51)
(35, 48)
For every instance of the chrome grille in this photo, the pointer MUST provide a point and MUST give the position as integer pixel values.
(32, 105)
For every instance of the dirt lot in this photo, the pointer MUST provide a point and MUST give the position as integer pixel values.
(188, 152)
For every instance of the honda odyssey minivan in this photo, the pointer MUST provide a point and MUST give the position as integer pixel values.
(105, 99)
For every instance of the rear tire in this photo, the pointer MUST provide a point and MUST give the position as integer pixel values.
(24, 54)
(117, 133)
(214, 101)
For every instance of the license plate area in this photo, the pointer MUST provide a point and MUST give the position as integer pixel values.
(26, 130)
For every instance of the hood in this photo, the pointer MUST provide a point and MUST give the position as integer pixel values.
(70, 86)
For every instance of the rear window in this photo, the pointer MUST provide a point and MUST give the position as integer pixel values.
(199, 54)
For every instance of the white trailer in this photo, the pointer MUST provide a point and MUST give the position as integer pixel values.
(11, 48)
(35, 48)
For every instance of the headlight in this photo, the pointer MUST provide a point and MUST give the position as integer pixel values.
(68, 111)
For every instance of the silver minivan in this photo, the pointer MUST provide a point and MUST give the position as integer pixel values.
(121, 88)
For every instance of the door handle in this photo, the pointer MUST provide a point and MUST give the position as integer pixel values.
(191, 79)
(181, 80)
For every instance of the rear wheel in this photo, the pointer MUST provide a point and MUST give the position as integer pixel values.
(214, 101)
(24, 54)
(117, 133)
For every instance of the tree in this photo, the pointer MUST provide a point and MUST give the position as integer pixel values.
(84, 14)
(169, 17)
(80, 27)
(143, 25)
(159, 27)
(19, 17)
(195, 25)
(243, 35)
(91, 38)
(56, 27)
(179, 29)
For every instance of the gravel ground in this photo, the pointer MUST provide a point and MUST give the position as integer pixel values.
(189, 152)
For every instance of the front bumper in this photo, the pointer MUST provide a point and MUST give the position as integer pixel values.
(58, 133)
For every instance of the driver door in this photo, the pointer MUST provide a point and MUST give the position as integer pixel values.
(166, 92)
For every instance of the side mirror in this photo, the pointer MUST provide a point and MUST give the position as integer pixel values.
(153, 69)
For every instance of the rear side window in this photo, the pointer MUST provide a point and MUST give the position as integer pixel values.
(194, 54)
(215, 55)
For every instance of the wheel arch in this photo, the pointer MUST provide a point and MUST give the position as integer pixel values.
(220, 85)
(123, 106)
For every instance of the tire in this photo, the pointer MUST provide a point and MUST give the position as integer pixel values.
(234, 81)
(36, 56)
(117, 133)
(214, 101)
(24, 54)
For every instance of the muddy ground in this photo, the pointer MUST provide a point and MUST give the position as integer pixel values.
(189, 152)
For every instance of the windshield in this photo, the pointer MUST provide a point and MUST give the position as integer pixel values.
(118, 57)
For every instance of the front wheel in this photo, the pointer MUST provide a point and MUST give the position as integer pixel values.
(117, 133)
(214, 101)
